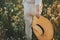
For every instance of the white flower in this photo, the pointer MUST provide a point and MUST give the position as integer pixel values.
(12, 10)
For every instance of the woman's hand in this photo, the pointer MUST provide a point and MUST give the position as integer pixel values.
(37, 15)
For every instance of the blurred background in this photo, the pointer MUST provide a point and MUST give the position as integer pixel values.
(12, 21)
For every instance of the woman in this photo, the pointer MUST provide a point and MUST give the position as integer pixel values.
(31, 8)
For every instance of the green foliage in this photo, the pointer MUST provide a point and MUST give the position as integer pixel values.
(12, 21)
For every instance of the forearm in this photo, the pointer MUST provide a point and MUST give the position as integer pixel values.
(37, 8)
(38, 4)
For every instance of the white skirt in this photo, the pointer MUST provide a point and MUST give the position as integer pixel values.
(29, 9)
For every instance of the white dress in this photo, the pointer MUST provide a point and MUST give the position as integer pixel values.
(37, 2)
(29, 9)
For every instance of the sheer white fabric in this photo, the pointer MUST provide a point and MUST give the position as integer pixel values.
(37, 2)
(30, 9)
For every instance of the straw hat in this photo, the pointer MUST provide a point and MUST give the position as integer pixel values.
(42, 28)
